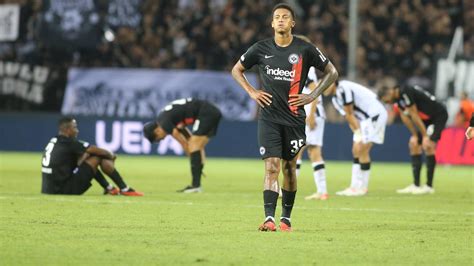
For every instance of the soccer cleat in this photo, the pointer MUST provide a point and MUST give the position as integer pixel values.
(190, 189)
(285, 225)
(425, 189)
(351, 192)
(317, 196)
(131, 192)
(408, 190)
(268, 226)
(113, 191)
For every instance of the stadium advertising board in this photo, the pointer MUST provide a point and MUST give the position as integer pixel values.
(142, 93)
(9, 22)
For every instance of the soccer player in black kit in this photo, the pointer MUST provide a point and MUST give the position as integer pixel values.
(424, 133)
(283, 62)
(69, 165)
(173, 119)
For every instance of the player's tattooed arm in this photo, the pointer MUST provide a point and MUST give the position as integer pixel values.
(329, 77)
(310, 121)
(178, 136)
(261, 97)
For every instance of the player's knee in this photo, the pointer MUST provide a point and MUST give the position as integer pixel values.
(93, 161)
(272, 167)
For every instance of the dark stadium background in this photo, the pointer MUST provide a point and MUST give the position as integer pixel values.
(186, 49)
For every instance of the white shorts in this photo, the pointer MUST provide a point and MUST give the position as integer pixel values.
(315, 137)
(373, 129)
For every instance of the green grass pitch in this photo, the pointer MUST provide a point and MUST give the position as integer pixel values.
(219, 226)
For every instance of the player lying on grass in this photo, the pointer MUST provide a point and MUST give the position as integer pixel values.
(69, 165)
(367, 118)
(173, 119)
(424, 133)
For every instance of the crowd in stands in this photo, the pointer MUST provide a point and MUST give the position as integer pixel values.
(397, 38)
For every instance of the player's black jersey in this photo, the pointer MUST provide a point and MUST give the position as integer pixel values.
(179, 112)
(283, 71)
(424, 101)
(59, 161)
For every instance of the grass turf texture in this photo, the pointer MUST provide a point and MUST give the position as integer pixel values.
(220, 225)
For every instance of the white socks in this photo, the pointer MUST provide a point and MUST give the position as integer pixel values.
(356, 176)
(298, 167)
(319, 174)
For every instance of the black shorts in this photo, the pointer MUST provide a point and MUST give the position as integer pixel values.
(276, 140)
(207, 121)
(80, 181)
(434, 127)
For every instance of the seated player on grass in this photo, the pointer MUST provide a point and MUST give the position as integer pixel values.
(173, 119)
(69, 165)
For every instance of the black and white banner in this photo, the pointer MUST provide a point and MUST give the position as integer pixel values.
(9, 22)
(24, 81)
(124, 13)
(454, 77)
(142, 93)
(67, 23)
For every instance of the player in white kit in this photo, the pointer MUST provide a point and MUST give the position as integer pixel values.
(367, 119)
(315, 118)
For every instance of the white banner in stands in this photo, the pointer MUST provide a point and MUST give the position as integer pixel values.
(142, 93)
(9, 22)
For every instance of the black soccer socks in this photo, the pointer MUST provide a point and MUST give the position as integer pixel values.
(288, 199)
(416, 168)
(196, 168)
(99, 177)
(430, 167)
(117, 178)
(270, 199)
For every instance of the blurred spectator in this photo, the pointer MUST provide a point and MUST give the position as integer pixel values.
(401, 39)
(466, 109)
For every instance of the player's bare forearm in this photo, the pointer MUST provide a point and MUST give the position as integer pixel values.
(238, 74)
(413, 111)
(329, 77)
(94, 150)
(352, 121)
(178, 136)
(408, 123)
(185, 132)
(261, 97)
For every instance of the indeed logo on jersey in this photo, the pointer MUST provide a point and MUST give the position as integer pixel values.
(280, 74)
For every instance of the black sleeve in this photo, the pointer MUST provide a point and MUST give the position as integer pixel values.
(471, 123)
(165, 122)
(79, 146)
(408, 95)
(251, 57)
(317, 58)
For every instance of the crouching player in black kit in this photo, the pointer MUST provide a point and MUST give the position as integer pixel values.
(69, 165)
(425, 133)
(173, 119)
(283, 62)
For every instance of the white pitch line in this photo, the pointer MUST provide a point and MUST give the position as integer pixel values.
(163, 202)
